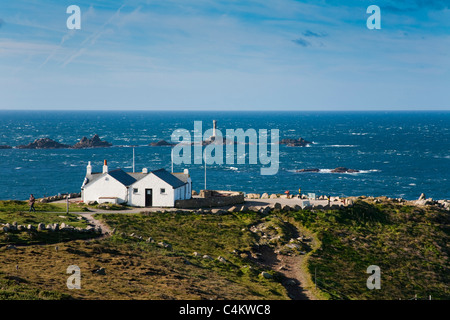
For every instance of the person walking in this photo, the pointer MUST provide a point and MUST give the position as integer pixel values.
(31, 202)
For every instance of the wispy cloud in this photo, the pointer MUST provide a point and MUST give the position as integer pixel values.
(302, 42)
(309, 33)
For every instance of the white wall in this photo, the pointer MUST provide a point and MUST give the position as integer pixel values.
(106, 186)
(152, 182)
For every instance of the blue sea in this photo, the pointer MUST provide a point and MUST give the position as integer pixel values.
(399, 154)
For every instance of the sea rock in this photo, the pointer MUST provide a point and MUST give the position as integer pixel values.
(5, 147)
(43, 143)
(422, 196)
(308, 170)
(344, 170)
(94, 142)
(300, 142)
(162, 143)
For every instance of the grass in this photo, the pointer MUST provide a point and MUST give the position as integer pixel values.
(409, 244)
(11, 211)
(136, 269)
(14, 206)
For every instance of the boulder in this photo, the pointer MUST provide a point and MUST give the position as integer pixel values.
(207, 257)
(41, 227)
(265, 196)
(233, 209)
(194, 193)
(196, 254)
(31, 227)
(277, 206)
(273, 196)
(286, 208)
(422, 196)
(165, 245)
(100, 271)
(222, 259)
(266, 275)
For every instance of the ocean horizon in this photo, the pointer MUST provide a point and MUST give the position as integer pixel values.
(397, 153)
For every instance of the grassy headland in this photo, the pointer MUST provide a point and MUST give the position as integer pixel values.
(152, 255)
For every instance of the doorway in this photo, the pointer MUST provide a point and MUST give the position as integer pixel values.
(148, 197)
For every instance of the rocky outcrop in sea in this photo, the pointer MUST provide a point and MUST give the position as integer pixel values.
(94, 142)
(43, 143)
(344, 170)
(162, 143)
(5, 147)
(300, 142)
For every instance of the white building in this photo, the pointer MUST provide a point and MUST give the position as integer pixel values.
(158, 188)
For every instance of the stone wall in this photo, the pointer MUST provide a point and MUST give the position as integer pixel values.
(59, 197)
(211, 199)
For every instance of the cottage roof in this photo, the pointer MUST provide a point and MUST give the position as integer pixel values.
(123, 177)
(169, 178)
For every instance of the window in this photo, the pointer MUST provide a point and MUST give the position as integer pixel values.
(135, 190)
(163, 191)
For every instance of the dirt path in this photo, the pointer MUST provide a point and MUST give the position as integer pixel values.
(291, 268)
(106, 230)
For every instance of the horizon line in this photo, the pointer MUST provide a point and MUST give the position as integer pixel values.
(228, 111)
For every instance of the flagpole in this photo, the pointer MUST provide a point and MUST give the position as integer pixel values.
(171, 157)
(133, 160)
(205, 168)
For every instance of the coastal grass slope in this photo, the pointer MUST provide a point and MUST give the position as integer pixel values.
(410, 244)
(194, 255)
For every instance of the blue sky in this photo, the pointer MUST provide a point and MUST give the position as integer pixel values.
(225, 55)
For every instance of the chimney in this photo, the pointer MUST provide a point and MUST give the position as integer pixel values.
(145, 170)
(105, 166)
(214, 127)
(89, 169)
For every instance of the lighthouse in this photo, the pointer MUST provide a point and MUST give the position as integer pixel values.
(214, 128)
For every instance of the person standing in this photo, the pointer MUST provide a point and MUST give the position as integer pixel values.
(31, 202)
